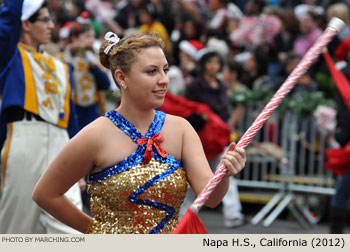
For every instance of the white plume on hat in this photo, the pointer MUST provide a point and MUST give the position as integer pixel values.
(30, 7)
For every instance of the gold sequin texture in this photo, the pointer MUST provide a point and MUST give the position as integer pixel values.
(115, 214)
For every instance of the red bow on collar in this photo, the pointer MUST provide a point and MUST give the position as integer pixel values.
(153, 141)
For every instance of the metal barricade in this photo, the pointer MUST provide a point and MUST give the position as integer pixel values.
(286, 159)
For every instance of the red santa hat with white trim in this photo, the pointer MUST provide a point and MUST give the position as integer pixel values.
(191, 47)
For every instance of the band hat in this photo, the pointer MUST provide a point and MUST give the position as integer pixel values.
(30, 7)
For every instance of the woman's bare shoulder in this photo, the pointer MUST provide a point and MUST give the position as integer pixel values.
(178, 123)
(96, 131)
(177, 120)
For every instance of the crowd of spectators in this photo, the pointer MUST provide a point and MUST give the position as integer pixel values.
(216, 47)
(262, 36)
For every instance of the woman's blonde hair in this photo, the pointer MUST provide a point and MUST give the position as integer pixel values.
(124, 53)
(339, 10)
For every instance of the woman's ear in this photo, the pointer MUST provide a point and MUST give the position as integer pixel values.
(119, 77)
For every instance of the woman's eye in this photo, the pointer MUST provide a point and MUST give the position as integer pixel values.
(166, 70)
(151, 71)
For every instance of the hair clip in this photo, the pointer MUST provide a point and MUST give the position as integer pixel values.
(112, 40)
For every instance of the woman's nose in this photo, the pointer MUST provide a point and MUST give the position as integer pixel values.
(164, 79)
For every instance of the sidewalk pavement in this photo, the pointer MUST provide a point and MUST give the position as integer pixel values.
(213, 221)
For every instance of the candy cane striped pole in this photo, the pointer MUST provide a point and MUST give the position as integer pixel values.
(334, 26)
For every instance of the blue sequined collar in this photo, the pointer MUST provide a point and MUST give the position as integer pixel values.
(130, 129)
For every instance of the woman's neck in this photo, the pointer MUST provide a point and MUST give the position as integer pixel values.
(211, 80)
(141, 119)
(253, 73)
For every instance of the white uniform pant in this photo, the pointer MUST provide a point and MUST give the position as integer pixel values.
(29, 148)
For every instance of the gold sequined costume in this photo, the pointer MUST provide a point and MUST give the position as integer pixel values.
(144, 192)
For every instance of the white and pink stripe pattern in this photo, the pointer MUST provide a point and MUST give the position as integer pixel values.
(334, 26)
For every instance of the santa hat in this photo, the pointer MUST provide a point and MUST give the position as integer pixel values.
(65, 30)
(30, 7)
(84, 18)
(191, 47)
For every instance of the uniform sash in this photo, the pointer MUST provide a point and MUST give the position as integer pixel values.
(47, 90)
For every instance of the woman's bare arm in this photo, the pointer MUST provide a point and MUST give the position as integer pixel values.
(198, 169)
(75, 160)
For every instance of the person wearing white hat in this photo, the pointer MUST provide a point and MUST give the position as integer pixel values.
(36, 117)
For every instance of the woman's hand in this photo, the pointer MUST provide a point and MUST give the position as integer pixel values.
(82, 184)
(234, 159)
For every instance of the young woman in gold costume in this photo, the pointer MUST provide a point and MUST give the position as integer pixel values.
(139, 159)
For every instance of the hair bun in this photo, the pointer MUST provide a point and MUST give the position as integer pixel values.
(104, 59)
